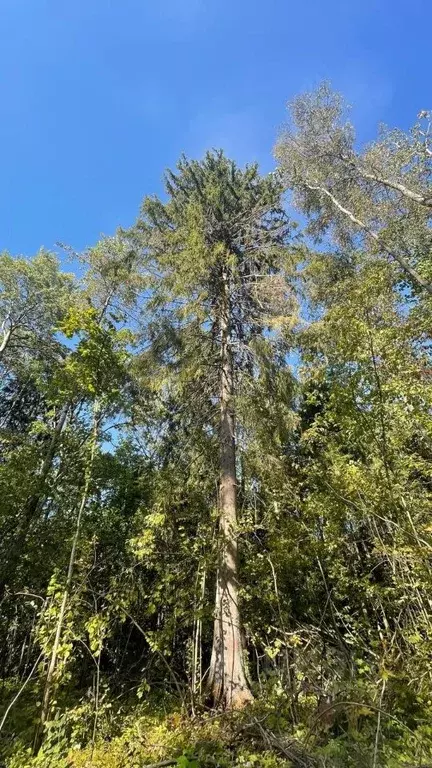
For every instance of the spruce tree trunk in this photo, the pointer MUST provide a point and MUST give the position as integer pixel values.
(227, 679)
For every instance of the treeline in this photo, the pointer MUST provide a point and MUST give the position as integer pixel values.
(215, 468)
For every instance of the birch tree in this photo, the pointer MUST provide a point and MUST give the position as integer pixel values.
(379, 196)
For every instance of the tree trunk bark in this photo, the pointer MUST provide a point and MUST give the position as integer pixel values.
(227, 679)
(7, 332)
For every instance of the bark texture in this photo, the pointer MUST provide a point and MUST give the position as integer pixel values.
(228, 683)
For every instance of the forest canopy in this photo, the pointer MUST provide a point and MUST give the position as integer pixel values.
(216, 467)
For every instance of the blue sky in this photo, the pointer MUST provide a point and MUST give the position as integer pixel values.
(97, 97)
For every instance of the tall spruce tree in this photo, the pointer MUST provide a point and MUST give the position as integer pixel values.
(214, 254)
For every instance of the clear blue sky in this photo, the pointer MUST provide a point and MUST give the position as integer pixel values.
(97, 97)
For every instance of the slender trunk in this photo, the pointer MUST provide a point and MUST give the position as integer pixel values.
(7, 332)
(50, 678)
(32, 505)
(197, 635)
(227, 679)
(96, 704)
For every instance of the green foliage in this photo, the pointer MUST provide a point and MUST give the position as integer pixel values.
(34, 295)
(334, 456)
(96, 367)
